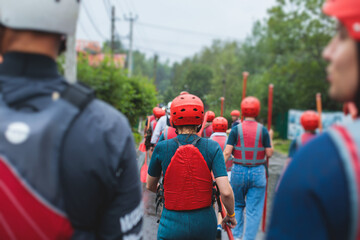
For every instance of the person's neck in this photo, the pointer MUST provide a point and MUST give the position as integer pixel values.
(186, 132)
(30, 42)
(249, 119)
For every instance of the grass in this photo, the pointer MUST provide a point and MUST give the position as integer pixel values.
(282, 145)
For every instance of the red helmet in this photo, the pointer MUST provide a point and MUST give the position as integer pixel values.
(309, 120)
(187, 109)
(210, 116)
(250, 107)
(220, 124)
(158, 112)
(347, 12)
(235, 113)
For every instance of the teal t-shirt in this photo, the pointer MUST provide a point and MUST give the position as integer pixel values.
(200, 223)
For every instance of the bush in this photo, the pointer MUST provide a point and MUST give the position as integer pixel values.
(134, 96)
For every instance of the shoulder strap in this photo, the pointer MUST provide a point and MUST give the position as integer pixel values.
(177, 141)
(166, 132)
(348, 151)
(79, 95)
(241, 137)
(197, 138)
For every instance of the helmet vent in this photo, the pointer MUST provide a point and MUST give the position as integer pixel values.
(180, 118)
(181, 98)
(183, 110)
(195, 109)
(193, 97)
(197, 117)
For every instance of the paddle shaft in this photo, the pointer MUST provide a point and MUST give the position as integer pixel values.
(245, 76)
(270, 105)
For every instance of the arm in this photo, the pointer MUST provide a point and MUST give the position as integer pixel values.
(152, 183)
(222, 181)
(267, 142)
(228, 151)
(226, 192)
(230, 144)
(154, 171)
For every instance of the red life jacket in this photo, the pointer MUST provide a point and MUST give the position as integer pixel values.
(188, 183)
(221, 138)
(249, 149)
(208, 131)
(347, 142)
(303, 139)
(169, 133)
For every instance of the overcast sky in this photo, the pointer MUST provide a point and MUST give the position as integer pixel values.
(173, 29)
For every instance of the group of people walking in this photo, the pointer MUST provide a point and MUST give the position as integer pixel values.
(187, 162)
(68, 166)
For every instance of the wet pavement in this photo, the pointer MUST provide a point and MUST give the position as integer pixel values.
(150, 218)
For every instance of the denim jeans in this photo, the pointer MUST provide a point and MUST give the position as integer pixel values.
(249, 185)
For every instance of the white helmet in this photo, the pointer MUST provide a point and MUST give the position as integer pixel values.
(56, 16)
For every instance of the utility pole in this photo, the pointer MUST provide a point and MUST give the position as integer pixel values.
(70, 59)
(112, 33)
(155, 66)
(131, 19)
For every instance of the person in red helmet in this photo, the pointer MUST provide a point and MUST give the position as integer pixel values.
(158, 113)
(249, 142)
(319, 196)
(220, 125)
(187, 161)
(208, 129)
(235, 117)
(310, 122)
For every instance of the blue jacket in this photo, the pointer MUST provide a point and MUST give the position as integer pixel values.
(98, 168)
(313, 198)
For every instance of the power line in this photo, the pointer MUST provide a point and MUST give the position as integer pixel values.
(84, 31)
(177, 44)
(160, 52)
(92, 22)
(107, 7)
(185, 31)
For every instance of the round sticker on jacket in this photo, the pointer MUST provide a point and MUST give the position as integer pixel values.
(17, 132)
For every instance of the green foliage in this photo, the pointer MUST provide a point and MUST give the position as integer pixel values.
(134, 97)
(198, 80)
(282, 146)
(145, 67)
(137, 138)
(284, 49)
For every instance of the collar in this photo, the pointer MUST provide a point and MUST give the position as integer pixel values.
(18, 64)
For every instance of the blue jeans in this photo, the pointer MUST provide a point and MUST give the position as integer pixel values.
(249, 185)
